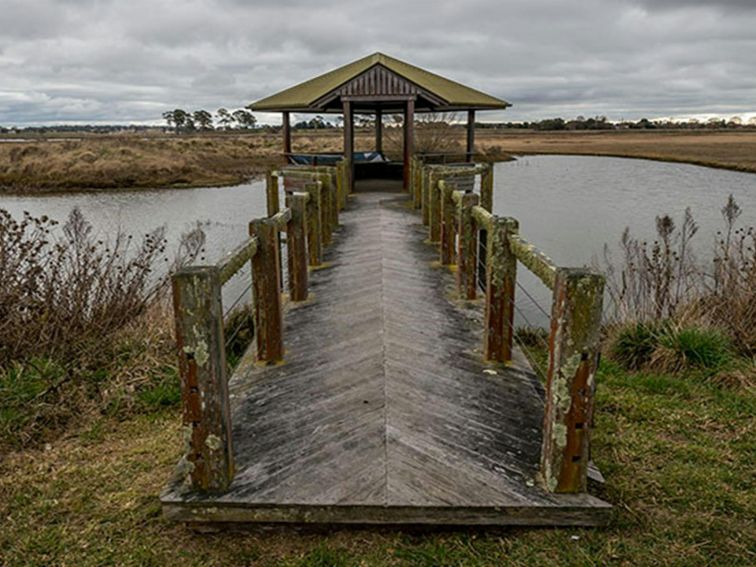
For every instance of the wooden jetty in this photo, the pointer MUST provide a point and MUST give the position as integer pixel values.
(383, 385)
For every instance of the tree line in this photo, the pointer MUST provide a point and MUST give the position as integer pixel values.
(603, 123)
(181, 120)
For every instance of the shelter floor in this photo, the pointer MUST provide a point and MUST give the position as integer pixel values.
(383, 411)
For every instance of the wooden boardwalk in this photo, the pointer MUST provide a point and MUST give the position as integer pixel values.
(384, 411)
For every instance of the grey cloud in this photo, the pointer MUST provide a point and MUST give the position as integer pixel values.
(90, 60)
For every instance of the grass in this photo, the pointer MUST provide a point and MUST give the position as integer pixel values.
(130, 161)
(677, 452)
(721, 149)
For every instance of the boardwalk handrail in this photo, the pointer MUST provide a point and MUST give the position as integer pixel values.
(575, 318)
(308, 219)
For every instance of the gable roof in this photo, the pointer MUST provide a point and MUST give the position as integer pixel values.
(304, 96)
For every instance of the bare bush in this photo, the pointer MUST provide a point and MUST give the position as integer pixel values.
(435, 132)
(62, 290)
(663, 281)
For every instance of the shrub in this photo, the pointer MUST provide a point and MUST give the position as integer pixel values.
(634, 345)
(663, 280)
(693, 348)
(82, 322)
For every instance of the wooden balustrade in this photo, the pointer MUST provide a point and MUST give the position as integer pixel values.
(198, 310)
(575, 317)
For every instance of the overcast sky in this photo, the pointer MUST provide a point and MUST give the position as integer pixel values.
(130, 60)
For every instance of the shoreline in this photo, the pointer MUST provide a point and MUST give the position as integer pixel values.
(125, 163)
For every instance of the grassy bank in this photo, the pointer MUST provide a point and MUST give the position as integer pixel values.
(132, 162)
(111, 162)
(677, 452)
(727, 150)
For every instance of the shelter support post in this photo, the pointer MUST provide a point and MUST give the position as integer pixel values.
(286, 131)
(470, 134)
(349, 142)
(379, 130)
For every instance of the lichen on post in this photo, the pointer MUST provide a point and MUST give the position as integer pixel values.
(266, 267)
(570, 382)
(296, 246)
(467, 247)
(427, 179)
(434, 210)
(202, 367)
(314, 221)
(448, 224)
(501, 274)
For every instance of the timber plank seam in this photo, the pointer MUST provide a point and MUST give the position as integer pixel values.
(400, 400)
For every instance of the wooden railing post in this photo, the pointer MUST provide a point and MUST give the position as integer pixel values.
(296, 246)
(340, 185)
(448, 224)
(467, 252)
(501, 274)
(570, 381)
(329, 181)
(271, 193)
(486, 187)
(417, 197)
(427, 180)
(434, 210)
(266, 265)
(326, 204)
(204, 386)
(314, 223)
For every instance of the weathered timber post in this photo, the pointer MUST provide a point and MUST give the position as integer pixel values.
(296, 246)
(486, 188)
(434, 210)
(204, 386)
(448, 224)
(314, 220)
(326, 216)
(426, 181)
(329, 181)
(501, 274)
(418, 195)
(266, 266)
(467, 253)
(340, 184)
(271, 193)
(570, 382)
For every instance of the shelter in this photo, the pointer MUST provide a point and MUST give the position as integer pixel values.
(379, 85)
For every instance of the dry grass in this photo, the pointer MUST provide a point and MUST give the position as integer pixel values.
(129, 161)
(134, 162)
(729, 150)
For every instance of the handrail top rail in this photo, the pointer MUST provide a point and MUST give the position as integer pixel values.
(533, 259)
(234, 260)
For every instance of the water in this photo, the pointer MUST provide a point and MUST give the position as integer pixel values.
(568, 206)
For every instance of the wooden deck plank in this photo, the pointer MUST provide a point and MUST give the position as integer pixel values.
(383, 411)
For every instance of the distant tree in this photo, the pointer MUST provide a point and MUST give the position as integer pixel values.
(169, 118)
(203, 119)
(178, 119)
(244, 118)
(224, 118)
